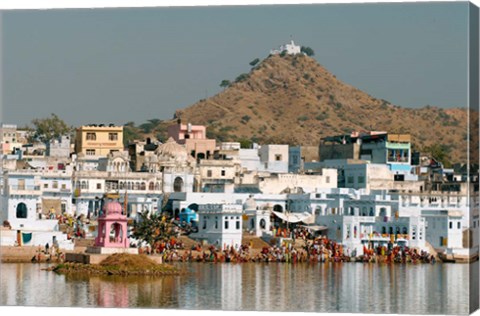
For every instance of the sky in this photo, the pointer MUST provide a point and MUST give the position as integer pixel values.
(134, 64)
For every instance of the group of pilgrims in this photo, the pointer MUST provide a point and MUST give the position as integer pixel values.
(317, 250)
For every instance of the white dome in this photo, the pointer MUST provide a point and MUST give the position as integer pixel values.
(250, 204)
(171, 151)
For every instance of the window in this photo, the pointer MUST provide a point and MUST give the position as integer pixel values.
(216, 222)
(112, 136)
(361, 179)
(45, 185)
(237, 225)
(350, 180)
(90, 152)
(91, 136)
(451, 225)
(21, 210)
(55, 184)
(223, 173)
(328, 179)
(278, 157)
(458, 225)
(209, 173)
(64, 207)
(204, 224)
(226, 224)
(99, 186)
(64, 186)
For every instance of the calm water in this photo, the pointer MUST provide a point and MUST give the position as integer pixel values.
(352, 287)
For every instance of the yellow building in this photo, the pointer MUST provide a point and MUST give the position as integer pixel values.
(98, 140)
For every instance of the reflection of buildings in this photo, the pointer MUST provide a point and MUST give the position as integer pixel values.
(231, 287)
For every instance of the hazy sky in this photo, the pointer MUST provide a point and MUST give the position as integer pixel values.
(120, 65)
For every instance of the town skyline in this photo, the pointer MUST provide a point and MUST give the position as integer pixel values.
(96, 65)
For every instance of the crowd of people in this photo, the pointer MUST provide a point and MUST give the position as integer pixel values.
(317, 250)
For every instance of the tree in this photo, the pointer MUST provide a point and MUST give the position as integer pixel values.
(440, 153)
(242, 77)
(146, 127)
(245, 143)
(254, 62)
(225, 83)
(153, 228)
(50, 128)
(130, 133)
(307, 51)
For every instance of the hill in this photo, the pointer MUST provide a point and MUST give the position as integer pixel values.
(294, 100)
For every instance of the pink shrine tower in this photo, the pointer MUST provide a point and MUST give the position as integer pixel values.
(112, 227)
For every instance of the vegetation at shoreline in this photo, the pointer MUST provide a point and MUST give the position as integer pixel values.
(119, 264)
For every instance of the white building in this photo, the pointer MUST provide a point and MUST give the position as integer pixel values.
(256, 221)
(30, 202)
(289, 48)
(220, 225)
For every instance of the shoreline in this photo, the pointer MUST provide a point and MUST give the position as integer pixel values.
(25, 254)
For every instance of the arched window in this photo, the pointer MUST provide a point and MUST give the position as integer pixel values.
(157, 186)
(84, 184)
(121, 186)
(263, 224)
(364, 211)
(129, 186)
(151, 186)
(178, 185)
(142, 186)
(136, 186)
(278, 208)
(352, 211)
(384, 230)
(22, 210)
(405, 230)
(318, 210)
(372, 213)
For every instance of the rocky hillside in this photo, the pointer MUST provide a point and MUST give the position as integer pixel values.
(294, 100)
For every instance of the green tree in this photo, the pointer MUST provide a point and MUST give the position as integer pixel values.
(225, 83)
(307, 51)
(254, 62)
(241, 77)
(440, 153)
(146, 127)
(245, 143)
(153, 228)
(50, 128)
(130, 133)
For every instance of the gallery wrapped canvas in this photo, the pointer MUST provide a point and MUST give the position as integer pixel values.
(308, 157)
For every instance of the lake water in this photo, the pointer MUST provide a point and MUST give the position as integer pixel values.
(346, 288)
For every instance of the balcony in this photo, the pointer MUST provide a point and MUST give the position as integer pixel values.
(24, 189)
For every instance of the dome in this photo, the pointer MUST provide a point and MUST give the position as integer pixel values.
(171, 151)
(250, 204)
(112, 207)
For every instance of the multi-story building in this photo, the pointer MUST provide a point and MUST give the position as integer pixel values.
(98, 140)
(393, 150)
(194, 137)
(220, 224)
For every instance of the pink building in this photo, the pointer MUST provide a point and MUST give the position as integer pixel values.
(112, 227)
(194, 137)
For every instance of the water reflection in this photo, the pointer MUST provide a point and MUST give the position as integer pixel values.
(363, 288)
